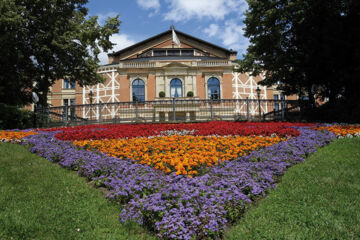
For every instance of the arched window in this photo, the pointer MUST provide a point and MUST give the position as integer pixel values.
(138, 90)
(213, 88)
(176, 88)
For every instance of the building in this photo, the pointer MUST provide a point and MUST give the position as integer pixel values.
(171, 63)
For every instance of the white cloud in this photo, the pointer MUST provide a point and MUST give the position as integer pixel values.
(231, 34)
(121, 41)
(149, 4)
(184, 10)
(212, 30)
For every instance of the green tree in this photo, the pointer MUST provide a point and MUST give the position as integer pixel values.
(305, 43)
(46, 40)
(16, 66)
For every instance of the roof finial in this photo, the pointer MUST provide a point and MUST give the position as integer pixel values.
(172, 27)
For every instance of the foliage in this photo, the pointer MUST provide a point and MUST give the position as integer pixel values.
(304, 44)
(310, 200)
(190, 94)
(13, 117)
(46, 40)
(161, 94)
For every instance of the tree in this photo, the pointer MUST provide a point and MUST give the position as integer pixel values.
(16, 66)
(301, 44)
(46, 40)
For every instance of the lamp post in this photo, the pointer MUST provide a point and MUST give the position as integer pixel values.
(258, 95)
(35, 99)
(91, 100)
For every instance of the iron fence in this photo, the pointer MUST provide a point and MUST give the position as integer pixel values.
(171, 110)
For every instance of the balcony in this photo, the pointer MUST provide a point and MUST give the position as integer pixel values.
(137, 65)
(217, 63)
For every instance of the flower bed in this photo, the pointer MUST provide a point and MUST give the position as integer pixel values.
(14, 136)
(181, 154)
(200, 129)
(170, 202)
(342, 130)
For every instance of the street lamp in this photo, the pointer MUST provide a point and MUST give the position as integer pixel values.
(91, 100)
(35, 99)
(258, 95)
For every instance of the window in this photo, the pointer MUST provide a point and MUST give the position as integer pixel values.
(159, 53)
(213, 88)
(71, 107)
(173, 52)
(138, 90)
(276, 103)
(176, 88)
(69, 84)
(69, 102)
(187, 52)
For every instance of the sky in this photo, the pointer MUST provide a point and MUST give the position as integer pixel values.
(217, 21)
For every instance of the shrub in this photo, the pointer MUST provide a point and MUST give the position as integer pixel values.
(14, 117)
(190, 94)
(162, 94)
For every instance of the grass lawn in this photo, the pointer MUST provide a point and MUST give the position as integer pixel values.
(319, 199)
(40, 200)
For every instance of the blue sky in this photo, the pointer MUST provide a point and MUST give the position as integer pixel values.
(216, 21)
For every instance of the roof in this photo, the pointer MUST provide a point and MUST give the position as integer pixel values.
(109, 65)
(169, 32)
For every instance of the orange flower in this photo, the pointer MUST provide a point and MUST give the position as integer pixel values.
(14, 135)
(180, 154)
(342, 130)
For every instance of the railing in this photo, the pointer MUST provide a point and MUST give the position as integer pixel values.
(171, 110)
(153, 64)
(137, 65)
(213, 63)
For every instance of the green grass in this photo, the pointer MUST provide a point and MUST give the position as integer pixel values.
(40, 200)
(318, 199)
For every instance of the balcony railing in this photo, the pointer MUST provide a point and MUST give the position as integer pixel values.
(214, 63)
(137, 65)
(171, 110)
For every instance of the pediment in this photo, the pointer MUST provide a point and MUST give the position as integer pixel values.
(176, 65)
(164, 40)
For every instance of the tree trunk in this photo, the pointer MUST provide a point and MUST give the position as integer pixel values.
(44, 88)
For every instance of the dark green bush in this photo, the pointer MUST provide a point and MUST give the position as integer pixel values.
(13, 117)
(190, 94)
(162, 94)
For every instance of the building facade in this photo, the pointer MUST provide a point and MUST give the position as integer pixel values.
(162, 67)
